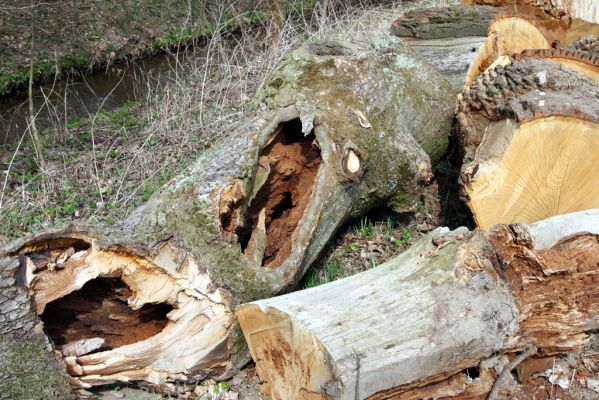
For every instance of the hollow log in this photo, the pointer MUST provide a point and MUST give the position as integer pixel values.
(342, 126)
(526, 131)
(407, 328)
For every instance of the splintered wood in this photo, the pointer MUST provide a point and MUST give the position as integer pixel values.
(421, 324)
(110, 314)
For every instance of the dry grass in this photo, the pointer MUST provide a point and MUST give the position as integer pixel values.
(101, 167)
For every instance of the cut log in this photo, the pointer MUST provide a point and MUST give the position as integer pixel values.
(586, 10)
(406, 328)
(506, 35)
(527, 131)
(462, 42)
(342, 126)
(447, 37)
(533, 25)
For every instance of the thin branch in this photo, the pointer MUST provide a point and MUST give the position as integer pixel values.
(507, 370)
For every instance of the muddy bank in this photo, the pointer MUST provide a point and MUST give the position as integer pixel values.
(80, 36)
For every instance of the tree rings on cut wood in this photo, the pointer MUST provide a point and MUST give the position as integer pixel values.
(586, 10)
(505, 36)
(527, 132)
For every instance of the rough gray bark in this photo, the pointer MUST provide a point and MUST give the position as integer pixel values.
(406, 328)
(445, 22)
(343, 126)
(447, 37)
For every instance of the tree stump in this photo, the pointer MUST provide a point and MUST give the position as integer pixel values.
(411, 327)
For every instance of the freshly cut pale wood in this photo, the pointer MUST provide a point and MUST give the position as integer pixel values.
(526, 131)
(342, 126)
(462, 42)
(519, 26)
(407, 328)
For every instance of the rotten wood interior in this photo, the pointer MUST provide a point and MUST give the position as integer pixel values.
(289, 164)
(97, 317)
(99, 310)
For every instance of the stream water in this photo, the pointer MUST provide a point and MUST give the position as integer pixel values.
(55, 102)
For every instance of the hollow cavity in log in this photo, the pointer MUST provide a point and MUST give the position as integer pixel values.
(289, 164)
(99, 312)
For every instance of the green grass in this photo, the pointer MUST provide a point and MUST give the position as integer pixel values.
(331, 270)
(362, 245)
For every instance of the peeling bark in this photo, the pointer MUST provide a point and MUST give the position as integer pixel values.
(343, 126)
(416, 326)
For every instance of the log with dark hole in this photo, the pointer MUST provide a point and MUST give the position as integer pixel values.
(342, 126)
(290, 165)
(99, 311)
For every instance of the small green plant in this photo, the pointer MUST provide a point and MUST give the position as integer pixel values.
(364, 229)
(406, 236)
(220, 387)
(331, 270)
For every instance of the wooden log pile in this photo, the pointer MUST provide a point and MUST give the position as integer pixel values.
(345, 126)
(455, 314)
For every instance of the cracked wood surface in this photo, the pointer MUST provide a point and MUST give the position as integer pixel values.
(412, 326)
(379, 118)
(525, 130)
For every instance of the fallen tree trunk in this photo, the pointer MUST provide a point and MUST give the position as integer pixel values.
(526, 131)
(343, 126)
(447, 37)
(406, 328)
